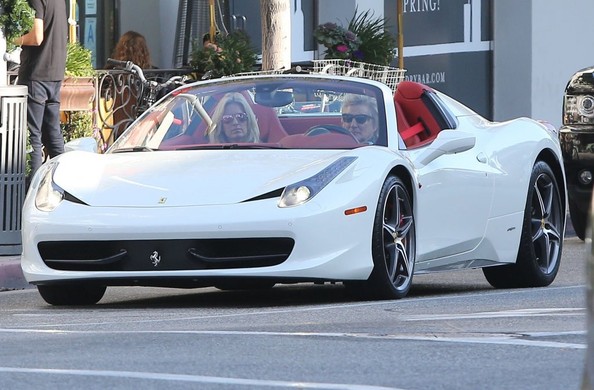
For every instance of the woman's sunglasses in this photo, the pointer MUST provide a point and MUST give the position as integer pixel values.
(240, 117)
(360, 118)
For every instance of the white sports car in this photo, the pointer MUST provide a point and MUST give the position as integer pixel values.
(305, 178)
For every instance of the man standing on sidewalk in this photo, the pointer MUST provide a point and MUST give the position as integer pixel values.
(43, 62)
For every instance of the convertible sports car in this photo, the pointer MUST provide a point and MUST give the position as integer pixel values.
(437, 187)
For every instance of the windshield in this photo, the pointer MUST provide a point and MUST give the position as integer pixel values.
(261, 112)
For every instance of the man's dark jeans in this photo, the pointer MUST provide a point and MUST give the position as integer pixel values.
(43, 120)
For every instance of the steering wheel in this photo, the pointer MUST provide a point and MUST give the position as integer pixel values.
(325, 129)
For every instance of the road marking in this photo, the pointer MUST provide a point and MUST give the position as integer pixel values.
(408, 300)
(473, 338)
(540, 312)
(192, 378)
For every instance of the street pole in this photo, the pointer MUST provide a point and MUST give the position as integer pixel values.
(400, 11)
(3, 68)
(212, 30)
(72, 22)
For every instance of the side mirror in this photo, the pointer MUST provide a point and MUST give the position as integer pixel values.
(447, 142)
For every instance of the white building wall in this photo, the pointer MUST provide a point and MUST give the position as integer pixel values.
(512, 59)
(156, 20)
(562, 43)
(538, 45)
(168, 15)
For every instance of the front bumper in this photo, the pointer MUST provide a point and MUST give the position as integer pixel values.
(328, 245)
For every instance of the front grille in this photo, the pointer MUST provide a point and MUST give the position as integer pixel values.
(165, 255)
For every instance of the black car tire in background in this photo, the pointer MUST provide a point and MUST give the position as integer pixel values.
(588, 376)
(541, 242)
(579, 219)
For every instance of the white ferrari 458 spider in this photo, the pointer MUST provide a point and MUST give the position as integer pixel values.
(247, 182)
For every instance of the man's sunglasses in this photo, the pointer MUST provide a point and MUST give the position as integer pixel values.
(360, 118)
(240, 117)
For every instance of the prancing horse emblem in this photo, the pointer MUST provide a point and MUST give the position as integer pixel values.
(155, 258)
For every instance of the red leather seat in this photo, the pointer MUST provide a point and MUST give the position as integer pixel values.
(270, 127)
(414, 117)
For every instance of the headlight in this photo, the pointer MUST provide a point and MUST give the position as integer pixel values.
(49, 194)
(579, 110)
(301, 192)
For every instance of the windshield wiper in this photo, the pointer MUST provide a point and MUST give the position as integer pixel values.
(135, 149)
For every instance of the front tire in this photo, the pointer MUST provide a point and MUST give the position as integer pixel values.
(393, 242)
(71, 294)
(541, 241)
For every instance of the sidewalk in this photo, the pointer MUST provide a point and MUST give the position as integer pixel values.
(11, 276)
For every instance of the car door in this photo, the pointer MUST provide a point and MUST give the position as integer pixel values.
(453, 203)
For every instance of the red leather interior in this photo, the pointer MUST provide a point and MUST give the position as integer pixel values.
(416, 123)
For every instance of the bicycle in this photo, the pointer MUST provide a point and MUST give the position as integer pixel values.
(133, 95)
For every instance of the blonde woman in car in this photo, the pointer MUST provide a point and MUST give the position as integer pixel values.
(234, 121)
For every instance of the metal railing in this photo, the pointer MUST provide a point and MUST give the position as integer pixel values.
(120, 98)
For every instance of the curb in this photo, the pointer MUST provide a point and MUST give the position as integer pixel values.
(11, 275)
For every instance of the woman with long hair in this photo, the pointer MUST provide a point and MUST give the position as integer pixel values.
(234, 121)
(132, 47)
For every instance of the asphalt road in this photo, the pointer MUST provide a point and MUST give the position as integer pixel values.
(452, 332)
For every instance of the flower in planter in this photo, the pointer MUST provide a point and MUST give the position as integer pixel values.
(365, 39)
(229, 54)
(340, 43)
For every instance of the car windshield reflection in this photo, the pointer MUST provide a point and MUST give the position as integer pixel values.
(261, 113)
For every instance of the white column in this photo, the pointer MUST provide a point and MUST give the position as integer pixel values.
(3, 72)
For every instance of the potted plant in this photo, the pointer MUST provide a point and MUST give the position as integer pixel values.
(365, 39)
(16, 19)
(78, 87)
(378, 45)
(77, 95)
(229, 54)
(365, 48)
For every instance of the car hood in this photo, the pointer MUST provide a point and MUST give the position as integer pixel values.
(184, 178)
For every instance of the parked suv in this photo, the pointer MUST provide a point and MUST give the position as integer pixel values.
(577, 143)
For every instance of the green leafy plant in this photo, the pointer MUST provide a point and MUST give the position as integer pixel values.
(78, 124)
(230, 54)
(79, 62)
(378, 46)
(16, 19)
(339, 42)
(365, 39)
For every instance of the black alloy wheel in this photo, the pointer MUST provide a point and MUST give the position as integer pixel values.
(541, 241)
(393, 242)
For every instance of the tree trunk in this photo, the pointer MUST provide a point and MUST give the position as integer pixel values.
(276, 34)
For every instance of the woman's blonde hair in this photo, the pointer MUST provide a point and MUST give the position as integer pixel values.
(132, 47)
(216, 134)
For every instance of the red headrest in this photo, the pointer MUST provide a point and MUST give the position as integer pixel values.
(411, 90)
